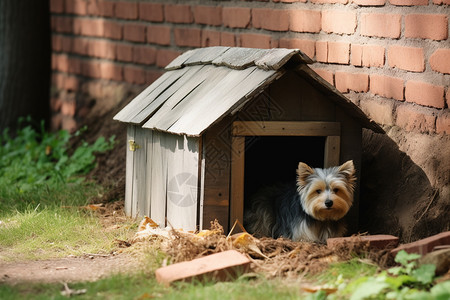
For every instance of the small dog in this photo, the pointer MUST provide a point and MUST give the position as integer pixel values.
(312, 211)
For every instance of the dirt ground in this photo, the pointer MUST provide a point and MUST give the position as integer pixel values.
(70, 269)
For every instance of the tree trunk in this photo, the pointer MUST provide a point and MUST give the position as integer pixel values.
(24, 61)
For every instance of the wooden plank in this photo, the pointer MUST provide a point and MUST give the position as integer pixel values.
(145, 97)
(179, 61)
(275, 58)
(193, 98)
(285, 128)
(332, 151)
(182, 186)
(129, 170)
(237, 179)
(139, 176)
(217, 152)
(239, 58)
(205, 55)
(157, 100)
(158, 190)
(186, 97)
(221, 100)
(148, 176)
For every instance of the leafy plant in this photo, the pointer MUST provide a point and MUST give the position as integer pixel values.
(407, 281)
(36, 158)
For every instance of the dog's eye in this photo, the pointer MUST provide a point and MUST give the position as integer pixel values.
(335, 190)
(318, 191)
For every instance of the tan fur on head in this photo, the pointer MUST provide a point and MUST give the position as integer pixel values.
(317, 186)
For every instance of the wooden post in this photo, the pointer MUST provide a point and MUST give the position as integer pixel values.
(237, 179)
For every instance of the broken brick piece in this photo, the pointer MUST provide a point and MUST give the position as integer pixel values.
(379, 241)
(220, 266)
(426, 245)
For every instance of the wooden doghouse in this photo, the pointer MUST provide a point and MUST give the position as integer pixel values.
(221, 122)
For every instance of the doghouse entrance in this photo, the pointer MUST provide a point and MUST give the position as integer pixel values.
(268, 152)
(272, 160)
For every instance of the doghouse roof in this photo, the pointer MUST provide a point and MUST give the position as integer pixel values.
(202, 86)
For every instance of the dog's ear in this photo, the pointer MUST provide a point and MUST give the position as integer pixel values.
(348, 170)
(303, 172)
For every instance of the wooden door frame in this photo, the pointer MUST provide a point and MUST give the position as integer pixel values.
(242, 129)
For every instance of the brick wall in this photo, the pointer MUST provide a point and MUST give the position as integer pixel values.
(392, 57)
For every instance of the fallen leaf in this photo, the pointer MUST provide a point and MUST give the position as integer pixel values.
(315, 288)
(146, 220)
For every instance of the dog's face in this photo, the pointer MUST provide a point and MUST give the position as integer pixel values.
(326, 194)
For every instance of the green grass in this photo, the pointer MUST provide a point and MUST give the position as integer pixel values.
(144, 286)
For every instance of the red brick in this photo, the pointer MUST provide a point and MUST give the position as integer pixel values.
(126, 10)
(270, 19)
(381, 25)
(426, 245)
(80, 46)
(440, 61)
(305, 20)
(112, 30)
(111, 71)
(250, 40)
(379, 241)
(56, 43)
(153, 12)
(367, 55)
(188, 37)
(227, 39)
(408, 2)
(71, 83)
(134, 75)
(144, 55)
(369, 2)
(325, 74)
(322, 51)
(218, 266)
(66, 44)
(443, 124)
(406, 58)
(57, 6)
(56, 122)
(236, 17)
(66, 64)
(426, 26)
(424, 94)
(62, 24)
(90, 69)
(76, 7)
(339, 21)
(381, 111)
(413, 119)
(338, 52)
(357, 82)
(56, 102)
(164, 57)
(134, 32)
(160, 35)
(178, 13)
(102, 49)
(106, 8)
(208, 15)
(306, 46)
(88, 27)
(289, 1)
(440, 2)
(386, 86)
(124, 52)
(210, 38)
(329, 1)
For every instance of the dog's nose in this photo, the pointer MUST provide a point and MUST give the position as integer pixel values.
(328, 203)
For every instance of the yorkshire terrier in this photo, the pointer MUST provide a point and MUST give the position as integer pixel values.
(312, 211)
